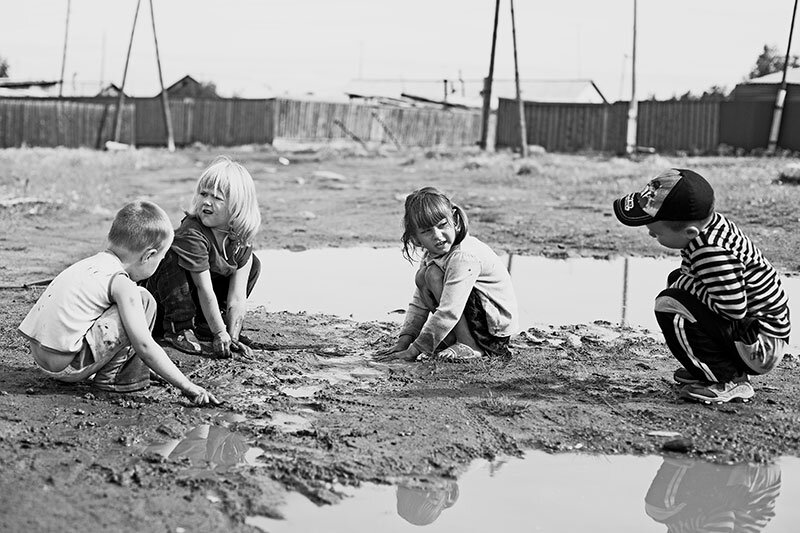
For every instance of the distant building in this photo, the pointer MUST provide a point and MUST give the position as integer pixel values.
(188, 87)
(468, 93)
(765, 88)
(31, 88)
(110, 90)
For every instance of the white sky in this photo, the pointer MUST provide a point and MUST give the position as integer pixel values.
(257, 48)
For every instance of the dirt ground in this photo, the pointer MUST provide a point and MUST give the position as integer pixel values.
(315, 409)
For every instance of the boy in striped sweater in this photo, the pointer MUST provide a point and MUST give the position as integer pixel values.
(724, 314)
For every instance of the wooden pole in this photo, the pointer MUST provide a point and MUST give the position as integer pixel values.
(487, 83)
(121, 95)
(633, 108)
(777, 113)
(523, 130)
(164, 99)
(64, 54)
(624, 315)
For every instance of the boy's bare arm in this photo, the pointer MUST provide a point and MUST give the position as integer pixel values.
(129, 302)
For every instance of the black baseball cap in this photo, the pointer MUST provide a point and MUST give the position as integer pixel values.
(675, 194)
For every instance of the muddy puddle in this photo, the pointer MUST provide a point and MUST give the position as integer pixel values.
(376, 284)
(540, 492)
(566, 493)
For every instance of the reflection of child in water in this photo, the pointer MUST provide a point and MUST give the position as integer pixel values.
(423, 505)
(697, 497)
(207, 444)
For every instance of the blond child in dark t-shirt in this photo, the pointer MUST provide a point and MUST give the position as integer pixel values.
(203, 283)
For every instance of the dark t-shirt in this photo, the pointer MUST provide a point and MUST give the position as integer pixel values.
(197, 250)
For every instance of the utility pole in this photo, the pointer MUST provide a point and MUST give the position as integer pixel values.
(487, 83)
(64, 54)
(164, 99)
(121, 95)
(777, 113)
(630, 145)
(523, 130)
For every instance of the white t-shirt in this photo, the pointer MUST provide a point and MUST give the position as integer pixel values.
(72, 302)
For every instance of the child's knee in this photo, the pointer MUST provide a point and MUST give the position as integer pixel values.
(667, 304)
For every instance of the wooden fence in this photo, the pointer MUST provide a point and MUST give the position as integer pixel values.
(218, 122)
(695, 127)
(671, 126)
(38, 122)
(567, 127)
(563, 127)
(227, 122)
(296, 119)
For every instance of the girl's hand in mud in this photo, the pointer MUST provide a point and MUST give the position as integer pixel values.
(402, 344)
(222, 345)
(242, 348)
(409, 354)
(200, 396)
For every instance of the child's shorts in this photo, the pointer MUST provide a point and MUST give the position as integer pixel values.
(475, 314)
(107, 353)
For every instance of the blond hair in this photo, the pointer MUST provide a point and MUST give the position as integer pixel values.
(236, 185)
(140, 226)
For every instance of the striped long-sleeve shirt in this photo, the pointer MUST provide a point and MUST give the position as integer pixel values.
(729, 274)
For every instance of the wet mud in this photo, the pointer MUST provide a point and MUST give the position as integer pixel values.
(311, 412)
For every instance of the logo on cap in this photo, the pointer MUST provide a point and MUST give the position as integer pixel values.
(629, 201)
(652, 196)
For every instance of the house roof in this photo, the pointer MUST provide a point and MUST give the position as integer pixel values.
(792, 76)
(184, 81)
(111, 90)
(13, 87)
(469, 92)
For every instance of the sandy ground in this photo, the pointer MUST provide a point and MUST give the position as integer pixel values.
(313, 412)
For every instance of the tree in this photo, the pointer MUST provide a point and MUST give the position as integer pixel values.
(713, 93)
(207, 89)
(770, 60)
(4, 67)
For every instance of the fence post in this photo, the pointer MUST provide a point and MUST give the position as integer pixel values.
(101, 127)
(188, 107)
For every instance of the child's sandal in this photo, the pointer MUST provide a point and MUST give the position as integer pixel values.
(458, 352)
(185, 341)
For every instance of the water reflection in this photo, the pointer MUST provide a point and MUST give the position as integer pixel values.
(549, 291)
(691, 496)
(423, 505)
(566, 493)
(209, 445)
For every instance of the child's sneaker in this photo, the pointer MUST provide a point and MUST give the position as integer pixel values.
(684, 377)
(738, 389)
(185, 341)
